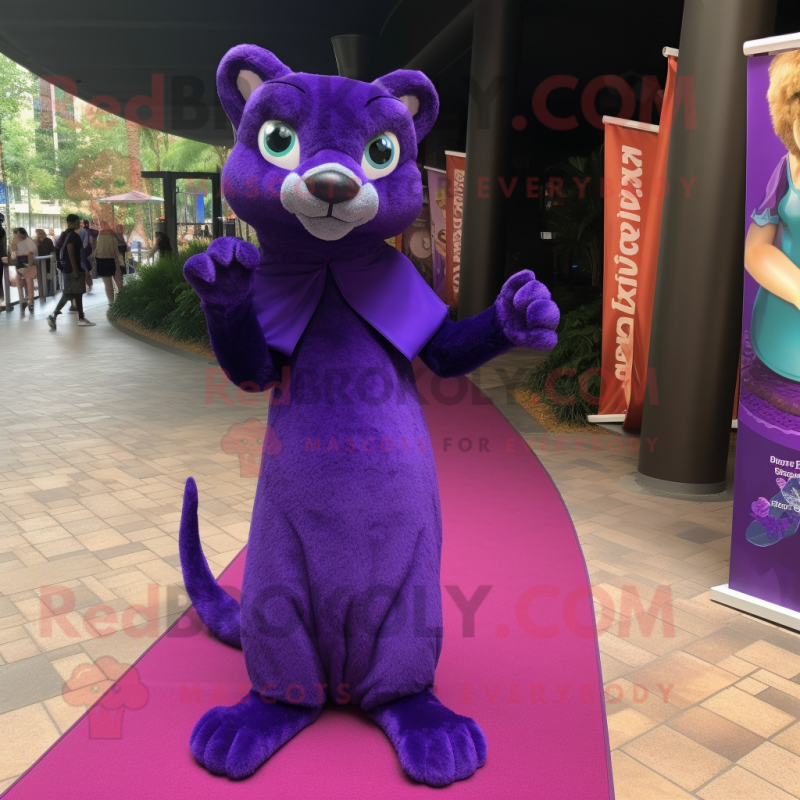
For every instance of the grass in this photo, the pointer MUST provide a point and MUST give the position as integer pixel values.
(158, 299)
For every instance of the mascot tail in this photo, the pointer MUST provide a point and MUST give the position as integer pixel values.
(215, 607)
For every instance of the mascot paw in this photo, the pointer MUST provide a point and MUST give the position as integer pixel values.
(436, 746)
(528, 316)
(223, 275)
(236, 740)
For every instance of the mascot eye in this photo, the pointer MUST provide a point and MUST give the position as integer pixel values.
(381, 156)
(278, 144)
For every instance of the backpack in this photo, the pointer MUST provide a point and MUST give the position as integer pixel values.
(62, 256)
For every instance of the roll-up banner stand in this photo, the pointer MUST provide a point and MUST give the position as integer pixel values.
(456, 173)
(632, 233)
(630, 158)
(437, 194)
(648, 264)
(764, 577)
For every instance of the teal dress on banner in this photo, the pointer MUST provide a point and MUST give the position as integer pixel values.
(775, 327)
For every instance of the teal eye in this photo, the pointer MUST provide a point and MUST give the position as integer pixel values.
(381, 156)
(278, 138)
(278, 144)
(380, 152)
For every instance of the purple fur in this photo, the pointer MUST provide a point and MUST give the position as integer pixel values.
(236, 740)
(215, 606)
(341, 597)
(435, 745)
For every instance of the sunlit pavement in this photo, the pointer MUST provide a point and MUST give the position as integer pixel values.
(96, 300)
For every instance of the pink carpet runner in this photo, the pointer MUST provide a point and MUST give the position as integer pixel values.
(529, 672)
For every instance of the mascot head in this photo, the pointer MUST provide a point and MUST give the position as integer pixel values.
(322, 164)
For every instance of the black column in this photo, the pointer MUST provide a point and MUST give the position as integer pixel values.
(697, 313)
(170, 209)
(496, 42)
(216, 205)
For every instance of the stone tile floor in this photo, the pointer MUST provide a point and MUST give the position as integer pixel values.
(99, 432)
(702, 701)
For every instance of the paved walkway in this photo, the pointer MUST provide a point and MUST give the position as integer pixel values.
(99, 432)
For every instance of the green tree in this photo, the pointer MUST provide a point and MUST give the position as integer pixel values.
(92, 154)
(17, 147)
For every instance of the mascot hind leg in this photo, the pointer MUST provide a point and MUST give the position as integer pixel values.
(230, 740)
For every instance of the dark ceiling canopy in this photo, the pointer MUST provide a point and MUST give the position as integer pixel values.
(170, 48)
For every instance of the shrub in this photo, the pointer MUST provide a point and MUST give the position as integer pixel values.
(159, 299)
(560, 380)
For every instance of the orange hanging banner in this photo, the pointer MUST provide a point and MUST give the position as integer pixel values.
(641, 380)
(630, 156)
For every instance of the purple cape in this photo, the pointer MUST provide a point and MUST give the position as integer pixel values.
(383, 288)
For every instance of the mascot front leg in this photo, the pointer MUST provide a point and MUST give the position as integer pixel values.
(236, 740)
(223, 279)
(435, 745)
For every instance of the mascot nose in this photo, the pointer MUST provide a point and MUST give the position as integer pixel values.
(332, 187)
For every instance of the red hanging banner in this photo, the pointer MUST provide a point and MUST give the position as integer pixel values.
(641, 380)
(630, 158)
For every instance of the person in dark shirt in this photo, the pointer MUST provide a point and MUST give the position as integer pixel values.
(88, 238)
(69, 247)
(45, 246)
(161, 245)
(44, 243)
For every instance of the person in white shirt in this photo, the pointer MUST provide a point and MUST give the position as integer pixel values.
(23, 253)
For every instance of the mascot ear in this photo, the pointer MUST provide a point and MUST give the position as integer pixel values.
(417, 93)
(242, 70)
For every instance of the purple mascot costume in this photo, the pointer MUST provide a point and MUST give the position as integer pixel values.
(341, 599)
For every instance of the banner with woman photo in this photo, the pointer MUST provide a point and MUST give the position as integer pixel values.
(437, 193)
(765, 543)
(456, 174)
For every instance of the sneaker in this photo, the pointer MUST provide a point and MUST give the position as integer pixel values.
(84, 323)
(51, 321)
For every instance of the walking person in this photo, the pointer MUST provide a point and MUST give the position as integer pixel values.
(69, 255)
(107, 258)
(73, 309)
(88, 239)
(23, 254)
